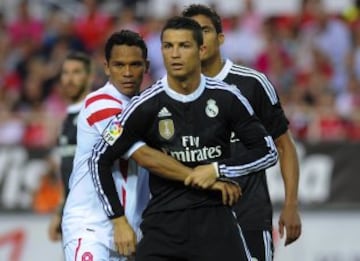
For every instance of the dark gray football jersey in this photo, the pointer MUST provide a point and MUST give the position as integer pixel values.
(67, 143)
(254, 209)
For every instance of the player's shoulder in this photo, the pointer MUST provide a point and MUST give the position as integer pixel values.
(220, 86)
(105, 89)
(154, 88)
(150, 92)
(248, 74)
(244, 71)
(108, 94)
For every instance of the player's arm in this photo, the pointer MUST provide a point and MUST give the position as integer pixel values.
(289, 165)
(100, 165)
(167, 167)
(269, 110)
(54, 229)
(261, 152)
(161, 164)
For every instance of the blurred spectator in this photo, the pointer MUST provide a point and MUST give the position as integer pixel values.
(93, 25)
(353, 57)
(59, 27)
(348, 102)
(127, 20)
(40, 127)
(153, 30)
(305, 55)
(332, 37)
(273, 60)
(48, 195)
(297, 110)
(352, 14)
(11, 125)
(243, 35)
(326, 124)
(25, 28)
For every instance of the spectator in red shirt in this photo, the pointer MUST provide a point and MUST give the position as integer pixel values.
(94, 26)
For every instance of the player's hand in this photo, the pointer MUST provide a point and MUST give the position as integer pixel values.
(231, 192)
(289, 220)
(54, 230)
(124, 236)
(201, 177)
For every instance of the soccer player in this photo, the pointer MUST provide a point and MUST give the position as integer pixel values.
(254, 209)
(88, 234)
(76, 80)
(190, 117)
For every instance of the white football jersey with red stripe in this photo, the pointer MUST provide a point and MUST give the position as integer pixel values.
(84, 216)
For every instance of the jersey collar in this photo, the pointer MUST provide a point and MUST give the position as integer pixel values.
(224, 71)
(182, 97)
(117, 93)
(75, 107)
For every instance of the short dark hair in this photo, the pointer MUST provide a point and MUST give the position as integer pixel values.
(125, 37)
(178, 22)
(81, 57)
(199, 9)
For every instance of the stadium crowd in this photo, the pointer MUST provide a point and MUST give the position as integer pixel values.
(312, 58)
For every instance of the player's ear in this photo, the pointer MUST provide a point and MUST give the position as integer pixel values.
(221, 38)
(106, 68)
(147, 66)
(202, 49)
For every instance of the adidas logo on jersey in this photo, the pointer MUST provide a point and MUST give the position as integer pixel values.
(164, 113)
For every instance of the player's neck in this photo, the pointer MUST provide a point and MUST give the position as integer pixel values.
(78, 99)
(212, 66)
(186, 85)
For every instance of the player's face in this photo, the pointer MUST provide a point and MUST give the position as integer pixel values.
(212, 39)
(74, 80)
(181, 53)
(126, 68)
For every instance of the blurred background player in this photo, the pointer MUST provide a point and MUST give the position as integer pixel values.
(254, 209)
(76, 80)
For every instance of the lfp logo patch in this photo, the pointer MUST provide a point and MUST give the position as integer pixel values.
(113, 132)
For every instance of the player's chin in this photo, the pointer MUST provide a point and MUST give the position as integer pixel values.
(177, 73)
(129, 91)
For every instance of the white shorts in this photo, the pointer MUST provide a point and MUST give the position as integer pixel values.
(84, 249)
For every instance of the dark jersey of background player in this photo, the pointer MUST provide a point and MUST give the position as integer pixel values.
(75, 79)
(254, 210)
(67, 143)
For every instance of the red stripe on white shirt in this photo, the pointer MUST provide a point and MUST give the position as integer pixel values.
(102, 114)
(100, 97)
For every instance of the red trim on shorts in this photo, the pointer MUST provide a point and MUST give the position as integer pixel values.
(87, 256)
(124, 167)
(77, 248)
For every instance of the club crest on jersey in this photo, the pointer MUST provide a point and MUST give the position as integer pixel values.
(211, 109)
(166, 128)
(113, 132)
